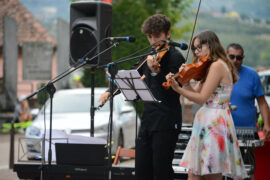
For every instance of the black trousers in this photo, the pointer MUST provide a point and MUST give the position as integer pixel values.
(154, 154)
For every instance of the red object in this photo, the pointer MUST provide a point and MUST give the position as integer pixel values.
(68, 176)
(260, 133)
(262, 160)
(107, 1)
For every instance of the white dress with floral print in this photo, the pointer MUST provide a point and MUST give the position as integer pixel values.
(213, 146)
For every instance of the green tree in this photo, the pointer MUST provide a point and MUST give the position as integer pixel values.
(128, 16)
(267, 21)
(223, 9)
(244, 17)
(257, 20)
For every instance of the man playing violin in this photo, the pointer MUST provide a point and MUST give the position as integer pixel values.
(160, 122)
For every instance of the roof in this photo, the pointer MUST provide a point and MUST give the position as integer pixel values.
(29, 29)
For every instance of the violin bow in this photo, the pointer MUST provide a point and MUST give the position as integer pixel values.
(194, 25)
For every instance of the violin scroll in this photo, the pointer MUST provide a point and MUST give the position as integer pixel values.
(163, 50)
(167, 84)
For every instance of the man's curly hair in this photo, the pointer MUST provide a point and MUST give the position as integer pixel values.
(156, 24)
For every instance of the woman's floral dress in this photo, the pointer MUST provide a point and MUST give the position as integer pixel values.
(213, 146)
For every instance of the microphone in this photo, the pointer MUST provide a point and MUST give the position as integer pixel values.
(182, 46)
(128, 38)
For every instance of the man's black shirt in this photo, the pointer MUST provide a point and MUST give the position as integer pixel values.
(165, 115)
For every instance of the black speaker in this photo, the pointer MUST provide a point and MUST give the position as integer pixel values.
(90, 24)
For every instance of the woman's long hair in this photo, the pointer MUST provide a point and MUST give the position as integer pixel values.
(217, 51)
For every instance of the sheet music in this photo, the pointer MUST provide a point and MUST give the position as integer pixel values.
(130, 84)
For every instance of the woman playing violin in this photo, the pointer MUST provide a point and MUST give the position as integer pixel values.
(213, 149)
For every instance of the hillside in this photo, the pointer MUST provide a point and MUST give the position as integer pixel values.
(254, 37)
(251, 8)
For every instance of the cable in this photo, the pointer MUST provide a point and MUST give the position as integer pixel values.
(140, 50)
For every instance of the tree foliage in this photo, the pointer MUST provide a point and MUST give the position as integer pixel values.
(128, 16)
(253, 37)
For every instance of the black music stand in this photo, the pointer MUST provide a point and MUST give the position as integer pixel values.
(133, 88)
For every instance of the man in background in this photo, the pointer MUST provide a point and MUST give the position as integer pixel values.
(245, 91)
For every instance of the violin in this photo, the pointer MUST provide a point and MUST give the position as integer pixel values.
(194, 71)
(163, 50)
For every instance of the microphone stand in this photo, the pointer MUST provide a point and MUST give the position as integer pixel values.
(92, 108)
(51, 90)
(112, 68)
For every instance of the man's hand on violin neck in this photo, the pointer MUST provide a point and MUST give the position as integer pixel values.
(150, 62)
(168, 76)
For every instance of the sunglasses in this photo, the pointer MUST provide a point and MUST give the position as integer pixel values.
(199, 48)
(239, 58)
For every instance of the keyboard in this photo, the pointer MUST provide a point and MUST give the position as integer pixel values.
(248, 137)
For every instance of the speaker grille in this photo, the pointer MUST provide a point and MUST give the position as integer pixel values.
(83, 44)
